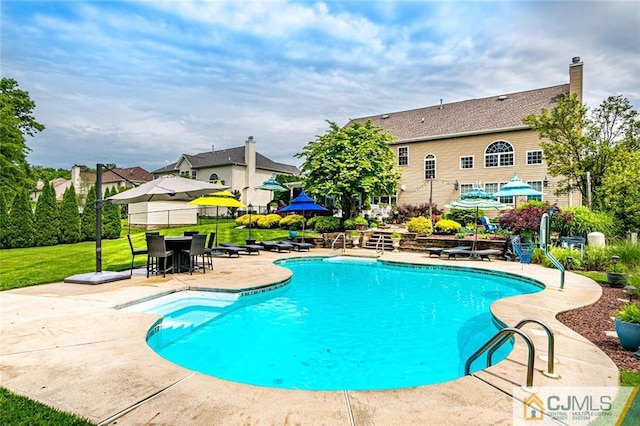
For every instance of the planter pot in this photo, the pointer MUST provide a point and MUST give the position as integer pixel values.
(396, 244)
(616, 279)
(293, 234)
(629, 334)
(356, 242)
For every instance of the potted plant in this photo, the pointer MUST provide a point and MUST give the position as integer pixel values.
(627, 323)
(616, 276)
(395, 240)
(360, 223)
(355, 238)
(293, 231)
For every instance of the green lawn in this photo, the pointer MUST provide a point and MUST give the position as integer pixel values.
(16, 410)
(39, 265)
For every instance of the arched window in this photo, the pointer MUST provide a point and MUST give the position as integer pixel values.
(430, 166)
(213, 178)
(499, 154)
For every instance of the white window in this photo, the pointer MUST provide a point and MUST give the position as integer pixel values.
(466, 162)
(213, 178)
(184, 174)
(499, 154)
(465, 187)
(403, 155)
(430, 166)
(537, 185)
(194, 174)
(534, 157)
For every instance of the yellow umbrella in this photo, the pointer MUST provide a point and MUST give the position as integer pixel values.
(218, 199)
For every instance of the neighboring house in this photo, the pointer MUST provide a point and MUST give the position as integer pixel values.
(124, 178)
(444, 150)
(240, 168)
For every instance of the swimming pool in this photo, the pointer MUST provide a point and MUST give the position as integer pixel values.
(341, 323)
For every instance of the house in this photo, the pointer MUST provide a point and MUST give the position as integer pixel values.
(444, 150)
(120, 178)
(241, 168)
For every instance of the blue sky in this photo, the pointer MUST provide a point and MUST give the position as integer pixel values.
(141, 82)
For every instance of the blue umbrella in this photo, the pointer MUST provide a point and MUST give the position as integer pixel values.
(303, 203)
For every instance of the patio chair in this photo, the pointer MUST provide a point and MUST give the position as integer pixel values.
(197, 249)
(524, 252)
(490, 227)
(134, 252)
(190, 233)
(156, 250)
(211, 251)
(573, 242)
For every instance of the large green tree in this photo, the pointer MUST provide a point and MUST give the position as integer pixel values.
(47, 219)
(88, 219)
(351, 164)
(576, 141)
(20, 231)
(70, 227)
(620, 189)
(16, 123)
(4, 217)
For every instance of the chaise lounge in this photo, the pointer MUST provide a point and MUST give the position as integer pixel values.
(247, 248)
(276, 245)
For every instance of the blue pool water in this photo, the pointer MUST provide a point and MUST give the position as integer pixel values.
(344, 324)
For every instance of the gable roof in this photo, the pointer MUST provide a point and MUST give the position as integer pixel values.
(134, 174)
(473, 116)
(225, 157)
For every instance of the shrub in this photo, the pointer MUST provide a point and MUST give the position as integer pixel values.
(629, 313)
(70, 230)
(628, 253)
(311, 222)
(269, 221)
(20, 231)
(420, 225)
(524, 219)
(327, 224)
(3, 222)
(408, 211)
(595, 258)
(465, 215)
(88, 220)
(111, 221)
(354, 221)
(447, 227)
(47, 219)
(292, 221)
(561, 255)
(244, 219)
(581, 220)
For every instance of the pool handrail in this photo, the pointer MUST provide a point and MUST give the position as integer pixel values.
(545, 238)
(380, 240)
(344, 241)
(499, 339)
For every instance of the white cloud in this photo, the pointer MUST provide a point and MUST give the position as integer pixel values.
(139, 83)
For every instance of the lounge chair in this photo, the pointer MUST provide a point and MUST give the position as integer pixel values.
(301, 246)
(435, 251)
(277, 245)
(247, 248)
(453, 253)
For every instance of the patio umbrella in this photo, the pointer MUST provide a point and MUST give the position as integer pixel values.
(271, 185)
(218, 199)
(477, 199)
(303, 203)
(516, 187)
(166, 188)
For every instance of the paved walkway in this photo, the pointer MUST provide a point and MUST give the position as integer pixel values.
(66, 346)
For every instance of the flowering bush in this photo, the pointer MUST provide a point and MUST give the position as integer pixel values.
(525, 219)
(446, 226)
(269, 221)
(244, 219)
(420, 225)
(293, 221)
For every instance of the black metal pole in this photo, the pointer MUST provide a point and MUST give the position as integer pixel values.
(98, 217)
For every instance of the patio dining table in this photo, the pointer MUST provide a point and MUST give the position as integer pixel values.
(176, 245)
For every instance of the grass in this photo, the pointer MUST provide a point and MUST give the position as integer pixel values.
(630, 378)
(18, 410)
(39, 265)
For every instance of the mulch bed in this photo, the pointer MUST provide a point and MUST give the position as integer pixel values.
(593, 321)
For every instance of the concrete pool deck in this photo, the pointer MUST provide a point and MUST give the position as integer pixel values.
(66, 346)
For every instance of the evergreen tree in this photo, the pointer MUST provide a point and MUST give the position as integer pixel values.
(19, 230)
(111, 224)
(3, 221)
(47, 218)
(69, 217)
(89, 216)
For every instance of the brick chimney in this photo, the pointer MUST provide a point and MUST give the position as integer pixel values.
(575, 77)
